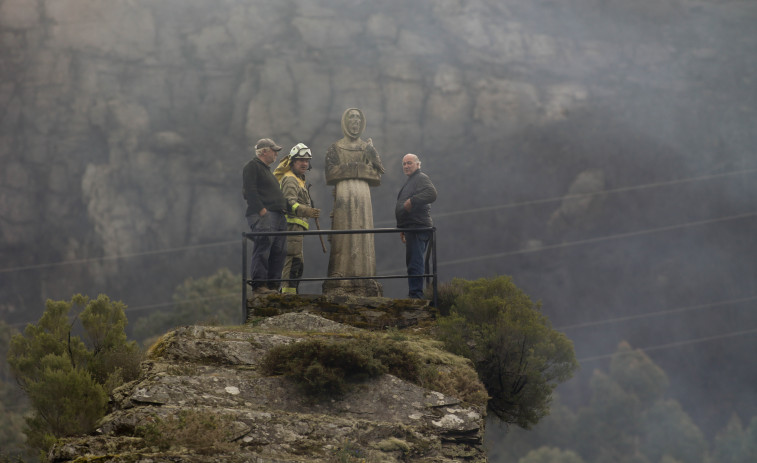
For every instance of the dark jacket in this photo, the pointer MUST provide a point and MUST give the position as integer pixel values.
(261, 188)
(421, 193)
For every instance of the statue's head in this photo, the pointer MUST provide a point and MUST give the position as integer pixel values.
(353, 123)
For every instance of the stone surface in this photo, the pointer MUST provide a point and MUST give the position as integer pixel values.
(215, 371)
(352, 167)
(358, 311)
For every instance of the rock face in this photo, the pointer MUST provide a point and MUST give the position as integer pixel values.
(208, 372)
(125, 123)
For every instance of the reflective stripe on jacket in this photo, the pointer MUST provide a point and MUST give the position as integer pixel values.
(296, 194)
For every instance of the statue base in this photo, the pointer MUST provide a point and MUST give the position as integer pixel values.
(361, 288)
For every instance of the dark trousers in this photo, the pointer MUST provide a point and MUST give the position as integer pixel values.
(415, 251)
(268, 252)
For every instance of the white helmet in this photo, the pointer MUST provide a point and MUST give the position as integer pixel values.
(300, 151)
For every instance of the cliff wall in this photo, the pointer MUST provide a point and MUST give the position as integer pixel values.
(125, 123)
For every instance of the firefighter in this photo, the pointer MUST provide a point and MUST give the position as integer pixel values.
(291, 175)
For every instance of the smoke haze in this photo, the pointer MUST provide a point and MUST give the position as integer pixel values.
(601, 152)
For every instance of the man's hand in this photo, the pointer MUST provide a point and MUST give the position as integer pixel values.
(402, 236)
(306, 211)
(263, 212)
(408, 205)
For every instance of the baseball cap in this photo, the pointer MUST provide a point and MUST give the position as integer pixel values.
(267, 143)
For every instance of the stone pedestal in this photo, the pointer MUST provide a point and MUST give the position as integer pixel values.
(363, 312)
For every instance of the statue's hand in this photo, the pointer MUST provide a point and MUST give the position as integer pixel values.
(373, 159)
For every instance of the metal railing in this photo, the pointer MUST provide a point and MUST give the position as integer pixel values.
(428, 275)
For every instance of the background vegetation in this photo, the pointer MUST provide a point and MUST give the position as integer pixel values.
(67, 376)
(60, 370)
(13, 403)
(210, 300)
(629, 419)
(517, 354)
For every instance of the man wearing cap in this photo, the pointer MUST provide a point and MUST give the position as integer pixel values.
(413, 210)
(266, 209)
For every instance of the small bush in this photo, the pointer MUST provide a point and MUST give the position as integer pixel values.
(447, 293)
(518, 356)
(13, 404)
(68, 398)
(4, 458)
(349, 453)
(459, 382)
(331, 367)
(200, 431)
(67, 378)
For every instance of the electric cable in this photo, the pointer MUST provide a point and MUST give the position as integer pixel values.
(156, 306)
(585, 195)
(671, 345)
(509, 253)
(445, 214)
(185, 301)
(116, 257)
(655, 314)
(597, 193)
(597, 239)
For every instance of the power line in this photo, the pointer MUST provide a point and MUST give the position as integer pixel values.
(444, 214)
(655, 314)
(448, 262)
(676, 344)
(586, 195)
(162, 304)
(120, 256)
(185, 301)
(598, 239)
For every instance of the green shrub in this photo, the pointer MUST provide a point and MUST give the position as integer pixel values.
(66, 378)
(447, 293)
(68, 398)
(331, 367)
(349, 453)
(13, 403)
(458, 382)
(518, 356)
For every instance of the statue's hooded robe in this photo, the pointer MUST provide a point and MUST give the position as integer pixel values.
(352, 167)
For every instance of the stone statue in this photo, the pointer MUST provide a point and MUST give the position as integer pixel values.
(352, 166)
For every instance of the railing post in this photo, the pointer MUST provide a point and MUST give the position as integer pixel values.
(245, 314)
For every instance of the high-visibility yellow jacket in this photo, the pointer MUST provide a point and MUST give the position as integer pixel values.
(296, 194)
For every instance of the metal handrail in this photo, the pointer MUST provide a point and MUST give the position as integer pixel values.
(430, 253)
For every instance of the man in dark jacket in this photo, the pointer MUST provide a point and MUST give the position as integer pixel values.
(413, 211)
(266, 209)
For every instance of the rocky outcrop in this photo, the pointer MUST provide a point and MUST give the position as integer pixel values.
(211, 373)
